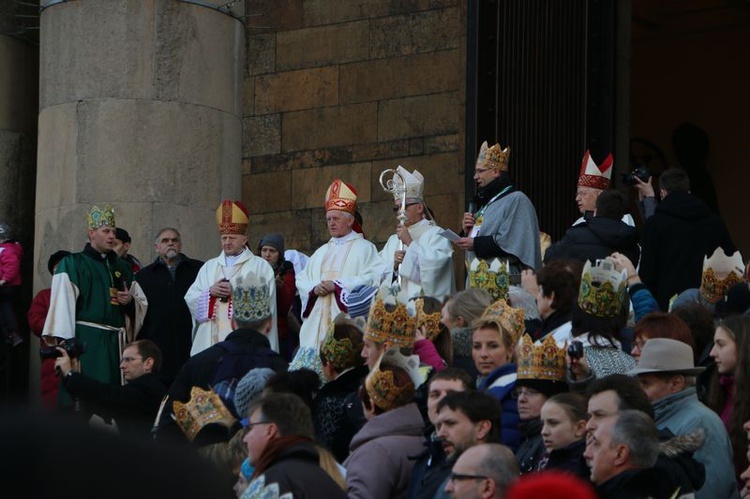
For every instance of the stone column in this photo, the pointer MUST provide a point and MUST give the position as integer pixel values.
(140, 106)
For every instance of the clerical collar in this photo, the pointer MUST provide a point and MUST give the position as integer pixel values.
(345, 239)
(231, 260)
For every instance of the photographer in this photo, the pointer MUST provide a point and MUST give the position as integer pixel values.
(134, 405)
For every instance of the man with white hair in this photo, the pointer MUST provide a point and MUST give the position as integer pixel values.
(346, 261)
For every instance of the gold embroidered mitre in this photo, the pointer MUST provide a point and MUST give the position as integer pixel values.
(540, 361)
(602, 290)
(595, 176)
(510, 319)
(341, 196)
(720, 271)
(101, 218)
(396, 327)
(493, 157)
(204, 408)
(430, 322)
(232, 217)
(490, 275)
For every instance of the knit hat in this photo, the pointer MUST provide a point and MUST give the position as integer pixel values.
(250, 387)
(276, 241)
(55, 258)
(122, 235)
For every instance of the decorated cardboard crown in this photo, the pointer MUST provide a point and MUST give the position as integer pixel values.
(414, 185)
(541, 361)
(602, 290)
(204, 408)
(341, 196)
(101, 218)
(397, 327)
(595, 176)
(720, 271)
(430, 322)
(340, 353)
(510, 319)
(251, 301)
(381, 385)
(232, 217)
(490, 275)
(493, 157)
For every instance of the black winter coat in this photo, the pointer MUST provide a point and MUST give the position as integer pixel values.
(595, 239)
(168, 322)
(531, 449)
(681, 232)
(648, 483)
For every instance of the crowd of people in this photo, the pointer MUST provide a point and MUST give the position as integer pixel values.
(609, 364)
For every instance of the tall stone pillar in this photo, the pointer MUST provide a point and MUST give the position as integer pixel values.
(140, 107)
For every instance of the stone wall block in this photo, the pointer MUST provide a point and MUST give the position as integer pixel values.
(427, 31)
(439, 170)
(296, 227)
(435, 114)
(301, 159)
(326, 127)
(416, 74)
(261, 54)
(261, 135)
(57, 160)
(297, 90)
(310, 47)
(380, 150)
(267, 192)
(317, 12)
(309, 186)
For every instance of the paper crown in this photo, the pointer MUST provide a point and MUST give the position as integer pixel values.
(204, 408)
(381, 385)
(719, 273)
(341, 196)
(341, 354)
(540, 361)
(510, 319)
(101, 218)
(430, 322)
(396, 327)
(490, 275)
(232, 217)
(602, 290)
(251, 302)
(414, 185)
(493, 157)
(595, 176)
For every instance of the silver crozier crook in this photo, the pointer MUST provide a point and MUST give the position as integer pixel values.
(397, 188)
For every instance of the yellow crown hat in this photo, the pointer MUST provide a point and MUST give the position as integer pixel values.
(510, 319)
(491, 275)
(493, 157)
(603, 289)
(430, 322)
(341, 196)
(720, 272)
(205, 408)
(396, 327)
(381, 385)
(341, 353)
(101, 218)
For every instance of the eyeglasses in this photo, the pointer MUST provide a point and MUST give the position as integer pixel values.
(396, 209)
(249, 426)
(481, 170)
(457, 477)
(131, 359)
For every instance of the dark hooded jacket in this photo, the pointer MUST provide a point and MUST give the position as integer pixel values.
(595, 239)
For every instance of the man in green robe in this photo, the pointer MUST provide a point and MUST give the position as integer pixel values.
(95, 300)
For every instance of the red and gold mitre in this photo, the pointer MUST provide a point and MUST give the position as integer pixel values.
(396, 327)
(603, 289)
(595, 176)
(540, 361)
(232, 217)
(341, 196)
(430, 322)
(493, 157)
(204, 408)
(510, 319)
(720, 271)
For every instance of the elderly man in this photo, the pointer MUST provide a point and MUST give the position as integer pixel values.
(667, 374)
(416, 254)
(168, 322)
(346, 261)
(92, 300)
(484, 471)
(209, 298)
(505, 227)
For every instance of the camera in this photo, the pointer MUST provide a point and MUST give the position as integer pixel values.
(575, 350)
(72, 347)
(642, 173)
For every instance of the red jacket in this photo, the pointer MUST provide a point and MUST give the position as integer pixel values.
(37, 314)
(11, 253)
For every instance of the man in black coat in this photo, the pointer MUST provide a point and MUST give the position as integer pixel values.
(680, 234)
(134, 405)
(168, 322)
(599, 236)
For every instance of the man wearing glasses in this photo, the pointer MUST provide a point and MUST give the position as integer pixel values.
(484, 471)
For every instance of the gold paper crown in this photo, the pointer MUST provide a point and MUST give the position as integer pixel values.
(204, 408)
(101, 218)
(414, 184)
(232, 217)
(493, 157)
(251, 303)
(595, 176)
(541, 361)
(490, 275)
(719, 273)
(602, 290)
(340, 353)
(341, 196)
(383, 391)
(430, 322)
(396, 328)
(510, 319)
